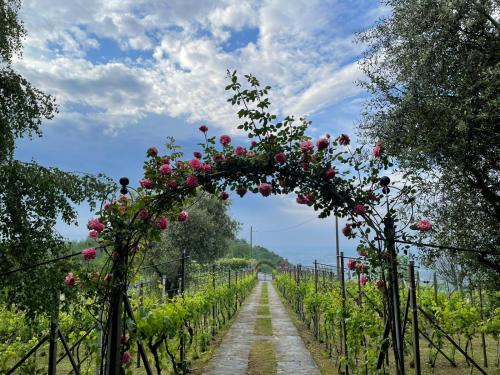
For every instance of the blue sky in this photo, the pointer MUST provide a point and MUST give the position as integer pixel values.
(127, 74)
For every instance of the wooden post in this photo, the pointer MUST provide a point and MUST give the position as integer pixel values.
(54, 324)
(414, 318)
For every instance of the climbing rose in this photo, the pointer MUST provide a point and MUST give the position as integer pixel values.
(241, 191)
(207, 168)
(347, 230)
(152, 151)
(265, 189)
(146, 183)
(96, 225)
(377, 150)
(89, 254)
(172, 184)
(162, 223)
(362, 280)
(361, 267)
(351, 264)
(359, 209)
(195, 164)
(165, 169)
(165, 160)
(302, 200)
(280, 157)
(224, 195)
(380, 284)
(70, 280)
(180, 165)
(183, 216)
(322, 143)
(218, 158)
(253, 144)
(306, 146)
(143, 214)
(330, 173)
(344, 140)
(192, 181)
(203, 128)
(250, 154)
(225, 140)
(424, 225)
(93, 234)
(240, 151)
(126, 357)
(197, 155)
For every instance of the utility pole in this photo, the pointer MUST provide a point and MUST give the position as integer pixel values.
(251, 241)
(337, 244)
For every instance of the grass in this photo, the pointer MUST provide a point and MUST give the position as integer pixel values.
(264, 295)
(262, 358)
(263, 327)
(263, 310)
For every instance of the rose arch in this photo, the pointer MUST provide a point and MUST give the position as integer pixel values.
(327, 175)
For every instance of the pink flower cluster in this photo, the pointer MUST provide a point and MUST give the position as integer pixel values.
(359, 209)
(183, 216)
(89, 254)
(306, 146)
(162, 223)
(377, 150)
(225, 140)
(70, 280)
(146, 183)
(280, 158)
(195, 164)
(322, 143)
(344, 140)
(424, 225)
(240, 151)
(192, 181)
(96, 227)
(265, 189)
(165, 169)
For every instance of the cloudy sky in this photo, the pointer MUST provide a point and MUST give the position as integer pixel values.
(129, 73)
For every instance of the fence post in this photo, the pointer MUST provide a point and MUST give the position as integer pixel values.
(214, 308)
(141, 301)
(435, 286)
(342, 322)
(316, 318)
(54, 323)
(483, 338)
(414, 318)
(182, 290)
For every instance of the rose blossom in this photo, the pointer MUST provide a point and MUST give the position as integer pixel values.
(89, 254)
(152, 151)
(225, 140)
(359, 209)
(424, 225)
(172, 184)
(197, 155)
(162, 223)
(362, 280)
(250, 154)
(240, 151)
(70, 280)
(95, 224)
(330, 173)
(218, 158)
(265, 189)
(280, 157)
(360, 267)
(183, 216)
(146, 183)
(165, 169)
(207, 168)
(322, 143)
(192, 181)
(377, 150)
(143, 214)
(203, 128)
(344, 140)
(253, 144)
(347, 230)
(306, 146)
(93, 234)
(241, 191)
(195, 164)
(302, 199)
(165, 160)
(351, 264)
(126, 357)
(224, 195)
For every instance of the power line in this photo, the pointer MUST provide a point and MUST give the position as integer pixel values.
(25, 268)
(420, 244)
(286, 228)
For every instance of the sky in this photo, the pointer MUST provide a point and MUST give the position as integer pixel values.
(129, 73)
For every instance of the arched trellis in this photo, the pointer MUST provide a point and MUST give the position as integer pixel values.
(264, 263)
(280, 160)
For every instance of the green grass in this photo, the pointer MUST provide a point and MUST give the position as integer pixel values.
(262, 358)
(264, 295)
(263, 310)
(263, 327)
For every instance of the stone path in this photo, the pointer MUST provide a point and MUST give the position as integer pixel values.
(291, 354)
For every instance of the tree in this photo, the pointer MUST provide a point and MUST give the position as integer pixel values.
(433, 69)
(32, 197)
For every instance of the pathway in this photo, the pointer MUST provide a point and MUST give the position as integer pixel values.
(292, 357)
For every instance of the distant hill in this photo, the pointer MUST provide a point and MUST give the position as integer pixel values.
(241, 249)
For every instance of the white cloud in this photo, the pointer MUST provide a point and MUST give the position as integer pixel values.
(300, 51)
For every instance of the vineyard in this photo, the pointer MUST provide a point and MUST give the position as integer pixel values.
(457, 332)
(166, 334)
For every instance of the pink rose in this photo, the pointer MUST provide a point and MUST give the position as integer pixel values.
(241, 191)
(225, 140)
(203, 128)
(224, 195)
(302, 199)
(89, 254)
(347, 230)
(240, 151)
(359, 209)
(351, 264)
(253, 144)
(322, 143)
(280, 157)
(146, 183)
(265, 189)
(344, 140)
(143, 214)
(363, 280)
(165, 160)
(330, 173)
(377, 150)
(172, 184)
(207, 168)
(306, 146)
(424, 225)
(183, 216)
(218, 158)
(192, 181)
(180, 165)
(93, 234)
(70, 280)
(361, 267)
(162, 223)
(195, 164)
(95, 224)
(152, 151)
(197, 155)
(250, 154)
(165, 169)
(126, 357)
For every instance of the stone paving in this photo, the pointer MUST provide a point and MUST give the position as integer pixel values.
(291, 354)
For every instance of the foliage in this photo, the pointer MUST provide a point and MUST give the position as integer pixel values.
(433, 72)
(239, 248)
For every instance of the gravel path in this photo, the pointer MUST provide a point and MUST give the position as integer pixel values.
(291, 354)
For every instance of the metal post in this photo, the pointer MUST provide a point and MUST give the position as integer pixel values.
(251, 242)
(183, 288)
(316, 318)
(483, 338)
(414, 318)
(54, 323)
(435, 287)
(141, 301)
(229, 275)
(342, 322)
(337, 244)
(214, 312)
